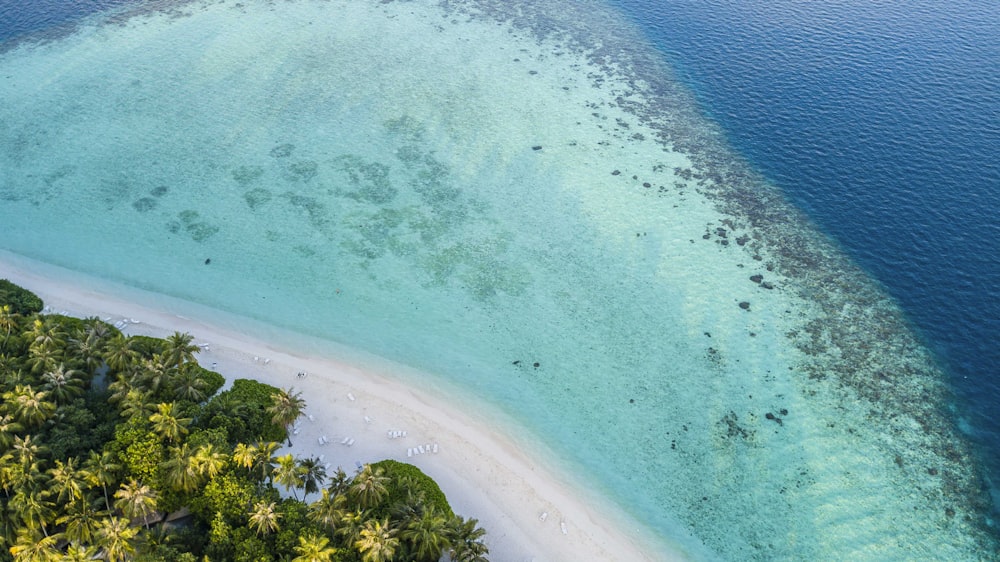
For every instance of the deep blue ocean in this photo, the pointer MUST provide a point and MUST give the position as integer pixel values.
(881, 120)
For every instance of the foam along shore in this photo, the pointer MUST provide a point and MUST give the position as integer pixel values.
(357, 415)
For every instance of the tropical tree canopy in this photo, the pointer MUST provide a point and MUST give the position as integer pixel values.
(92, 467)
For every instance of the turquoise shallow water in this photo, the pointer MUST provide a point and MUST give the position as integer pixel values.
(476, 191)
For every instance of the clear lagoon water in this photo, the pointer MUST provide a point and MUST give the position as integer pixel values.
(732, 263)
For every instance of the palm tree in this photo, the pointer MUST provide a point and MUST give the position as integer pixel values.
(11, 472)
(88, 341)
(120, 388)
(427, 535)
(340, 483)
(350, 525)
(62, 384)
(115, 537)
(46, 334)
(466, 539)
(413, 505)
(369, 487)
(328, 510)
(377, 541)
(30, 408)
(288, 473)
(153, 373)
(8, 526)
(102, 470)
(207, 462)
(167, 424)
(264, 518)
(313, 475)
(80, 553)
(81, 522)
(285, 408)
(120, 353)
(314, 548)
(26, 450)
(94, 326)
(41, 359)
(263, 464)
(189, 386)
(136, 501)
(178, 470)
(31, 507)
(243, 456)
(67, 482)
(178, 349)
(136, 403)
(8, 321)
(8, 428)
(32, 547)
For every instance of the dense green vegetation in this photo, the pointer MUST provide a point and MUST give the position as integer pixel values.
(118, 448)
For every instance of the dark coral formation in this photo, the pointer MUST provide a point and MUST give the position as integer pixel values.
(858, 345)
(188, 222)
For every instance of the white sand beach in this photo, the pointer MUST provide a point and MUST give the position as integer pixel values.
(529, 510)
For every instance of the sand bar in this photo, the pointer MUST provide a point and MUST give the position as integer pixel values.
(530, 511)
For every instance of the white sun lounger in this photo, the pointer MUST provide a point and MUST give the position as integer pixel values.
(421, 447)
(562, 526)
(435, 447)
(350, 396)
(543, 516)
(409, 452)
(346, 439)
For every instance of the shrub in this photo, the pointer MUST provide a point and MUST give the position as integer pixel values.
(21, 300)
(242, 412)
(397, 471)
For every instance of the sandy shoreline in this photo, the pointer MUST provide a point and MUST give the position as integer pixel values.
(484, 472)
